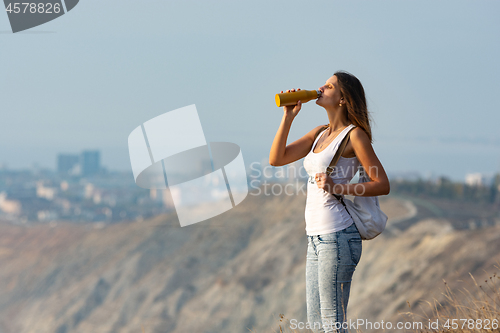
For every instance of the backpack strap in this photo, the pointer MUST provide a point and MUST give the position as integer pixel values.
(341, 199)
(339, 152)
(334, 161)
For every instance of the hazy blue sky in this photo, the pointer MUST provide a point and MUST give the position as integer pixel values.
(86, 80)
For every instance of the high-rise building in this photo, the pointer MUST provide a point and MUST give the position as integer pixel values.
(478, 179)
(66, 163)
(90, 162)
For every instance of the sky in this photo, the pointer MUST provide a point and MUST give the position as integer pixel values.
(85, 80)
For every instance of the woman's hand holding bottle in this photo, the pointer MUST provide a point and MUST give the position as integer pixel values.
(292, 110)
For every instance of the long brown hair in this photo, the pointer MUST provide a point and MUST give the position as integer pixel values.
(354, 95)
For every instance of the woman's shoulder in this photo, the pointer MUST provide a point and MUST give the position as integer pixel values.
(358, 135)
(321, 127)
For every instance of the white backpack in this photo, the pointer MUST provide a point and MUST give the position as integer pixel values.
(365, 211)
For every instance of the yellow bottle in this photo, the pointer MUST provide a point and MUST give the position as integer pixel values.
(292, 98)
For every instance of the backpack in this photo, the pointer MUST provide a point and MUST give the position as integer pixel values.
(365, 211)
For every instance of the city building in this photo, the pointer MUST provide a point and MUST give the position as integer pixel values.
(90, 162)
(44, 191)
(9, 206)
(66, 163)
(475, 179)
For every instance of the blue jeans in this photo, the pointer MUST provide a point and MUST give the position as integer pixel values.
(331, 261)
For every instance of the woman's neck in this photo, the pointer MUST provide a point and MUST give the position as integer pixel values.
(337, 119)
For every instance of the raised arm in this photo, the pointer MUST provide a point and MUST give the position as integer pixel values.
(281, 154)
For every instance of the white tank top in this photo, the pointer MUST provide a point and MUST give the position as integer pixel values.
(324, 213)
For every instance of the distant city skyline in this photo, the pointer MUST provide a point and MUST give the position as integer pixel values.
(62, 160)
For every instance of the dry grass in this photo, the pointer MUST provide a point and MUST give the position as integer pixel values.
(284, 327)
(465, 314)
(470, 311)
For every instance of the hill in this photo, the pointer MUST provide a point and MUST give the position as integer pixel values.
(237, 271)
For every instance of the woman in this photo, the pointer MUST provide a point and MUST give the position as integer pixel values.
(334, 243)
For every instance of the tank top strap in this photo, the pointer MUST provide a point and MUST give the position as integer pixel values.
(332, 147)
(334, 143)
(342, 134)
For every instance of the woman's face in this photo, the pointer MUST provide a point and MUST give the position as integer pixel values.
(330, 93)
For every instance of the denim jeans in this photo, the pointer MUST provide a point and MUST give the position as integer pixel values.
(331, 261)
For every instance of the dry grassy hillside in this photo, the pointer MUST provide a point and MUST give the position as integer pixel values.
(237, 271)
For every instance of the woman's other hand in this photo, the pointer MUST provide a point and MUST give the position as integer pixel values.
(326, 183)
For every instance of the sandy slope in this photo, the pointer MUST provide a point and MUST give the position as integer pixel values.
(237, 271)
